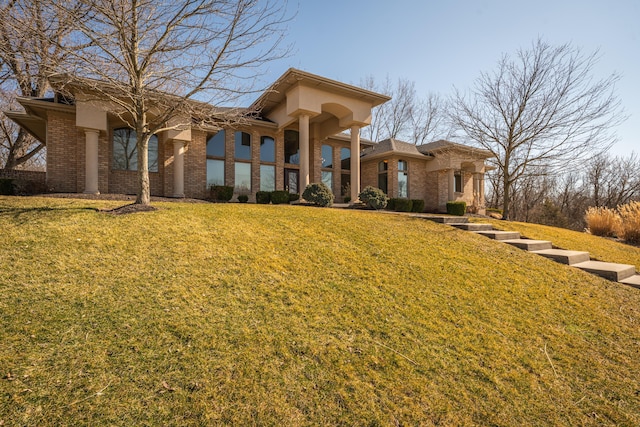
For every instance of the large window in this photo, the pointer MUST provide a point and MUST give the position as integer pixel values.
(267, 149)
(327, 179)
(327, 156)
(125, 152)
(267, 178)
(215, 159)
(383, 166)
(243, 146)
(215, 145)
(345, 158)
(292, 147)
(243, 177)
(403, 179)
(215, 172)
(345, 184)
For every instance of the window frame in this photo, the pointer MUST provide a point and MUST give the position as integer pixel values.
(153, 147)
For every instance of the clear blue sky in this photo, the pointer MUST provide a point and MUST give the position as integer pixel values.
(440, 44)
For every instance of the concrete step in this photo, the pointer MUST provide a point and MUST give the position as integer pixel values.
(608, 270)
(449, 219)
(564, 256)
(632, 281)
(500, 235)
(472, 226)
(529, 244)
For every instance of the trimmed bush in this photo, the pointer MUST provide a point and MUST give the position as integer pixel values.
(293, 197)
(602, 221)
(629, 228)
(6, 187)
(28, 187)
(318, 194)
(403, 205)
(346, 199)
(243, 198)
(456, 208)
(373, 197)
(417, 205)
(263, 197)
(391, 204)
(279, 197)
(220, 193)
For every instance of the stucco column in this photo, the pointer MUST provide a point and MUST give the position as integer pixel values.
(452, 184)
(178, 168)
(303, 123)
(355, 162)
(91, 161)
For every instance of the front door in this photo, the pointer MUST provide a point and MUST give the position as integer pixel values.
(291, 180)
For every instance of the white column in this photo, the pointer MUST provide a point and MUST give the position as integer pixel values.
(355, 162)
(303, 123)
(178, 168)
(91, 161)
(452, 184)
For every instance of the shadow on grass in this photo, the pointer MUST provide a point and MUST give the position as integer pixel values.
(18, 214)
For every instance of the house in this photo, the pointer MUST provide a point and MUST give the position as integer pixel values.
(297, 139)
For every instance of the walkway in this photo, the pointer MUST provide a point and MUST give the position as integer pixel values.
(622, 273)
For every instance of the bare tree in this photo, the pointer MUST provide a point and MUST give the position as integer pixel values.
(405, 116)
(613, 181)
(539, 108)
(159, 63)
(32, 34)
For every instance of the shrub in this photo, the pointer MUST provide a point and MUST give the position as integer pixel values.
(456, 208)
(629, 227)
(417, 205)
(293, 197)
(279, 197)
(243, 198)
(391, 204)
(403, 205)
(318, 194)
(346, 199)
(6, 187)
(602, 221)
(263, 197)
(220, 193)
(373, 197)
(27, 187)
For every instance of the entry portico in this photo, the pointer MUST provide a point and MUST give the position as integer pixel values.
(319, 108)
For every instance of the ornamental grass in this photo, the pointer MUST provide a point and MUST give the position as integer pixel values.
(602, 221)
(629, 227)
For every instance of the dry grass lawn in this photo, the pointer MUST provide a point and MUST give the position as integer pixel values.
(203, 314)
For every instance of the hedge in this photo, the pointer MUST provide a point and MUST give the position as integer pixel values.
(456, 208)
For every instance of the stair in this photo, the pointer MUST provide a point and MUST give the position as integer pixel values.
(528, 244)
(473, 226)
(449, 219)
(632, 281)
(499, 235)
(563, 256)
(608, 270)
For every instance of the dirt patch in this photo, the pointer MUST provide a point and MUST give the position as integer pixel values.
(129, 209)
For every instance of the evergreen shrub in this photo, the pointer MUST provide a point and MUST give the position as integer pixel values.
(318, 194)
(373, 197)
(456, 208)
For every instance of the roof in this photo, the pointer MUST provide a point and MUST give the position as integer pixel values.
(277, 92)
(394, 146)
(442, 145)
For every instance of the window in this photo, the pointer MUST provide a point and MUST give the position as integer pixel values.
(267, 178)
(457, 182)
(267, 149)
(243, 177)
(345, 184)
(215, 172)
(292, 147)
(327, 179)
(215, 145)
(125, 152)
(383, 166)
(327, 156)
(345, 158)
(243, 146)
(403, 179)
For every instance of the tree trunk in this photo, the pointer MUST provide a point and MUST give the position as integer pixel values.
(506, 200)
(144, 192)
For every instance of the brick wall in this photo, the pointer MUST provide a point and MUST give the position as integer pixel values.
(36, 176)
(62, 143)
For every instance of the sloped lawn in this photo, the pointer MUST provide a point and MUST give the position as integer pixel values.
(202, 314)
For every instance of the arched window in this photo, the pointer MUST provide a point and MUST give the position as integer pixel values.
(267, 171)
(403, 179)
(215, 159)
(292, 147)
(345, 158)
(243, 146)
(125, 151)
(383, 180)
(267, 149)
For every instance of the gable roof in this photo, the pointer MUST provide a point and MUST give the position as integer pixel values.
(442, 145)
(394, 146)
